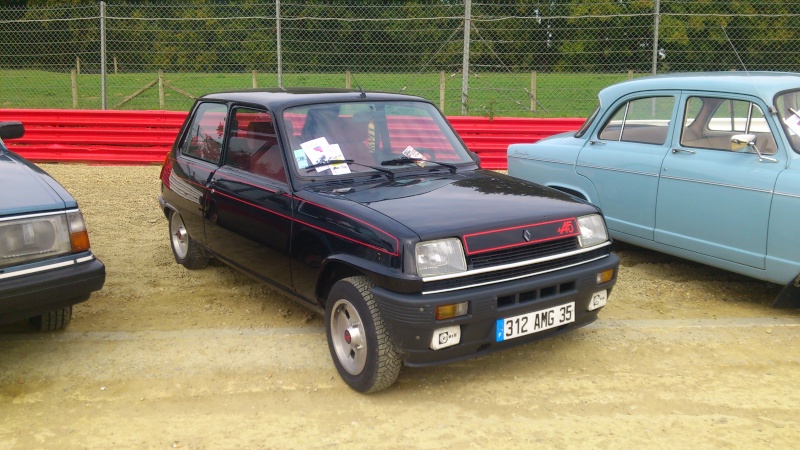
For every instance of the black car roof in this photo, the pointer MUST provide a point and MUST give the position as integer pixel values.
(277, 98)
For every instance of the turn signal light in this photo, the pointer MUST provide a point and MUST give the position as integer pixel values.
(605, 276)
(452, 310)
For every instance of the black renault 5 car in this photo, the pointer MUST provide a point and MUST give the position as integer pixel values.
(368, 208)
(46, 263)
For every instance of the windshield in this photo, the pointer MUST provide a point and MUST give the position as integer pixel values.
(370, 137)
(788, 105)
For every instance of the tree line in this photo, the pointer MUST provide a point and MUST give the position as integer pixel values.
(413, 35)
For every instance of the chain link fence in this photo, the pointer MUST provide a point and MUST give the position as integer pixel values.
(489, 58)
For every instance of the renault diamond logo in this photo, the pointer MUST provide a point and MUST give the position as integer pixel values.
(526, 235)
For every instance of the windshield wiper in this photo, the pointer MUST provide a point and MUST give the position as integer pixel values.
(406, 160)
(389, 173)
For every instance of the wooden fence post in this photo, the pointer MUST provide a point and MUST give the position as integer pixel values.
(255, 81)
(160, 89)
(74, 89)
(78, 64)
(441, 91)
(630, 74)
(533, 90)
(115, 65)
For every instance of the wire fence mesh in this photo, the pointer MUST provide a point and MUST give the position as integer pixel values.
(490, 58)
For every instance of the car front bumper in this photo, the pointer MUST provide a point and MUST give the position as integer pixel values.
(35, 289)
(411, 319)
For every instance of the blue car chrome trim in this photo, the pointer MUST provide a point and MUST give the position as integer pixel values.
(710, 183)
(786, 194)
(31, 216)
(59, 265)
(566, 163)
(611, 169)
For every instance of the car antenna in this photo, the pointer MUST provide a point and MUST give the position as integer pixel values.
(771, 108)
(363, 94)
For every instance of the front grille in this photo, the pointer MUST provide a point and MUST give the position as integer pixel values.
(514, 272)
(525, 253)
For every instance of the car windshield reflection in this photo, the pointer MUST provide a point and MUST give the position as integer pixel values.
(343, 138)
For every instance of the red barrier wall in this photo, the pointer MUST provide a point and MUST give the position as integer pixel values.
(145, 137)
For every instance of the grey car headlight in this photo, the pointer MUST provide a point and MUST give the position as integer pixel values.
(33, 238)
(593, 230)
(440, 257)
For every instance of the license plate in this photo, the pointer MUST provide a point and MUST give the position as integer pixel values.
(517, 326)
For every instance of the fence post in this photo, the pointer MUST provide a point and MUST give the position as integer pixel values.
(441, 91)
(160, 89)
(255, 81)
(656, 24)
(103, 62)
(347, 79)
(465, 61)
(278, 41)
(115, 65)
(78, 65)
(533, 90)
(74, 89)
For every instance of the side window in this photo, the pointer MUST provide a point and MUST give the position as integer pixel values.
(644, 120)
(203, 140)
(253, 145)
(711, 122)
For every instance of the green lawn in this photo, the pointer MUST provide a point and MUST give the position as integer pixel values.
(490, 94)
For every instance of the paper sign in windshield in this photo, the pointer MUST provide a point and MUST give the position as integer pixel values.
(319, 151)
(793, 122)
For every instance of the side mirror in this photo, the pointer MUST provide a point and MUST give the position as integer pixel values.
(11, 130)
(740, 142)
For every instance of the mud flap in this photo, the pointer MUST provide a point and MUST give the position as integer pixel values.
(789, 296)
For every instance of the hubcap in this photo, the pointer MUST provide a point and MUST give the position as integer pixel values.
(180, 238)
(347, 337)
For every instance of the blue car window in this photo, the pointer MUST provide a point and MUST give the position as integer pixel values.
(711, 122)
(644, 120)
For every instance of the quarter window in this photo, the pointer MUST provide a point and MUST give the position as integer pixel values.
(203, 139)
(644, 120)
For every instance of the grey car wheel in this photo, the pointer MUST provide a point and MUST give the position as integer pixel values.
(186, 251)
(56, 319)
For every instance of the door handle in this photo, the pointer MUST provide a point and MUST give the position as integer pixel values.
(596, 142)
(683, 150)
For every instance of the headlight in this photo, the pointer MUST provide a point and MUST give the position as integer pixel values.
(593, 230)
(440, 257)
(33, 238)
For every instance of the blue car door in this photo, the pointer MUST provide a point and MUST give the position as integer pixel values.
(623, 159)
(714, 198)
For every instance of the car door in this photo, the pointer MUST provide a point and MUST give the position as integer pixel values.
(713, 200)
(197, 157)
(623, 159)
(249, 218)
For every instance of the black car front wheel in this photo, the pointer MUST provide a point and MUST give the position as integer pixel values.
(187, 252)
(357, 337)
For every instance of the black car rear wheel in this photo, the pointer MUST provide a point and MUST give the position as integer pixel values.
(359, 343)
(187, 252)
(54, 320)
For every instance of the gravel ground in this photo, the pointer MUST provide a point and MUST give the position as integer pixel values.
(683, 355)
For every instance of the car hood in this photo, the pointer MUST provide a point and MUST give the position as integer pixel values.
(473, 202)
(28, 189)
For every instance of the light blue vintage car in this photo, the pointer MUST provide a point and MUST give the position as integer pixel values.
(705, 166)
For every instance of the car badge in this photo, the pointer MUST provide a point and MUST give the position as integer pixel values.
(526, 235)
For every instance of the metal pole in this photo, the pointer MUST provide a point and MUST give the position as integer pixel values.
(103, 81)
(465, 63)
(656, 23)
(278, 41)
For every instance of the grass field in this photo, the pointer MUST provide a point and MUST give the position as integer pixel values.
(490, 94)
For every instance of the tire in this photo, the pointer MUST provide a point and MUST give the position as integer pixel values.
(359, 343)
(187, 252)
(57, 319)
